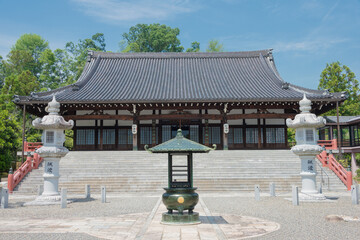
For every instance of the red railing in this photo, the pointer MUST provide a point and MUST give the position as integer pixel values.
(32, 162)
(328, 160)
(328, 144)
(31, 146)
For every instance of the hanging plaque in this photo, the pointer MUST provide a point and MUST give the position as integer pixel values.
(226, 128)
(134, 129)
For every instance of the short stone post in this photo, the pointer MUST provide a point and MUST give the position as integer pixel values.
(87, 191)
(295, 195)
(40, 189)
(355, 194)
(320, 188)
(257, 192)
(272, 189)
(103, 194)
(63, 198)
(4, 198)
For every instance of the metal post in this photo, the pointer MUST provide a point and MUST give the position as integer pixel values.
(257, 192)
(295, 195)
(63, 197)
(272, 189)
(23, 135)
(355, 194)
(87, 191)
(103, 194)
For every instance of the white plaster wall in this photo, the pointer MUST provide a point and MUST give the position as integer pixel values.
(236, 111)
(85, 123)
(125, 123)
(251, 121)
(276, 110)
(275, 121)
(124, 112)
(83, 112)
(109, 122)
(235, 122)
(146, 112)
(145, 122)
(110, 112)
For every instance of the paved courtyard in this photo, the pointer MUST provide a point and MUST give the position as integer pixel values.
(223, 216)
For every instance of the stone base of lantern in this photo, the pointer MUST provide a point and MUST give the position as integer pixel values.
(312, 197)
(180, 219)
(46, 200)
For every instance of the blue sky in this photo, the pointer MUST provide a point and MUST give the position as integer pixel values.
(305, 35)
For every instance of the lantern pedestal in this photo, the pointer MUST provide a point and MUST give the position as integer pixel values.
(180, 219)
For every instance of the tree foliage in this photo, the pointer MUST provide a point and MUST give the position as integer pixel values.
(80, 50)
(215, 46)
(9, 140)
(339, 78)
(195, 47)
(152, 38)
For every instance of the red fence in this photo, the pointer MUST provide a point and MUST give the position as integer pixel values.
(328, 144)
(328, 160)
(32, 162)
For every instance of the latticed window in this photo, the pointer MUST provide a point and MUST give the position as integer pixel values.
(85, 137)
(194, 133)
(214, 135)
(108, 136)
(235, 135)
(251, 135)
(145, 135)
(166, 133)
(275, 135)
(125, 136)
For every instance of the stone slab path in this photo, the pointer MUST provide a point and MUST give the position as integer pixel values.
(146, 226)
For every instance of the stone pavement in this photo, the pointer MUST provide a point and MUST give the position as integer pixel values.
(223, 216)
(145, 226)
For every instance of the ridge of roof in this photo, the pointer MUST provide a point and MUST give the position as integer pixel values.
(242, 54)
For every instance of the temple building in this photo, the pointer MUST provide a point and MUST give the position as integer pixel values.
(124, 101)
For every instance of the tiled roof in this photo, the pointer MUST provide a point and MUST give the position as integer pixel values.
(180, 77)
(342, 119)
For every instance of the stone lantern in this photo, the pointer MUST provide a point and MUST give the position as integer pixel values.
(180, 194)
(53, 138)
(306, 148)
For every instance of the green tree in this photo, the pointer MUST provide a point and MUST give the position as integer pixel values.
(80, 50)
(9, 140)
(152, 38)
(195, 47)
(339, 78)
(215, 46)
(34, 45)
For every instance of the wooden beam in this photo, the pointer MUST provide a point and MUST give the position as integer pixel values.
(182, 116)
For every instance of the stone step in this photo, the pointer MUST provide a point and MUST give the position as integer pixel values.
(144, 172)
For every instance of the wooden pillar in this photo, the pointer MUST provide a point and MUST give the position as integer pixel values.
(206, 129)
(160, 129)
(338, 129)
(153, 131)
(244, 129)
(264, 132)
(97, 135)
(286, 135)
(116, 131)
(135, 136)
(23, 134)
(74, 135)
(225, 135)
(201, 128)
(259, 133)
(101, 134)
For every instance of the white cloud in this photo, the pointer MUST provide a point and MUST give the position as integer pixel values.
(313, 45)
(117, 11)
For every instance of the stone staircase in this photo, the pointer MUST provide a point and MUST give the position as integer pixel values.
(218, 171)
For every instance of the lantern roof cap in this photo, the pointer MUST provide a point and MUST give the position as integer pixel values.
(180, 144)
